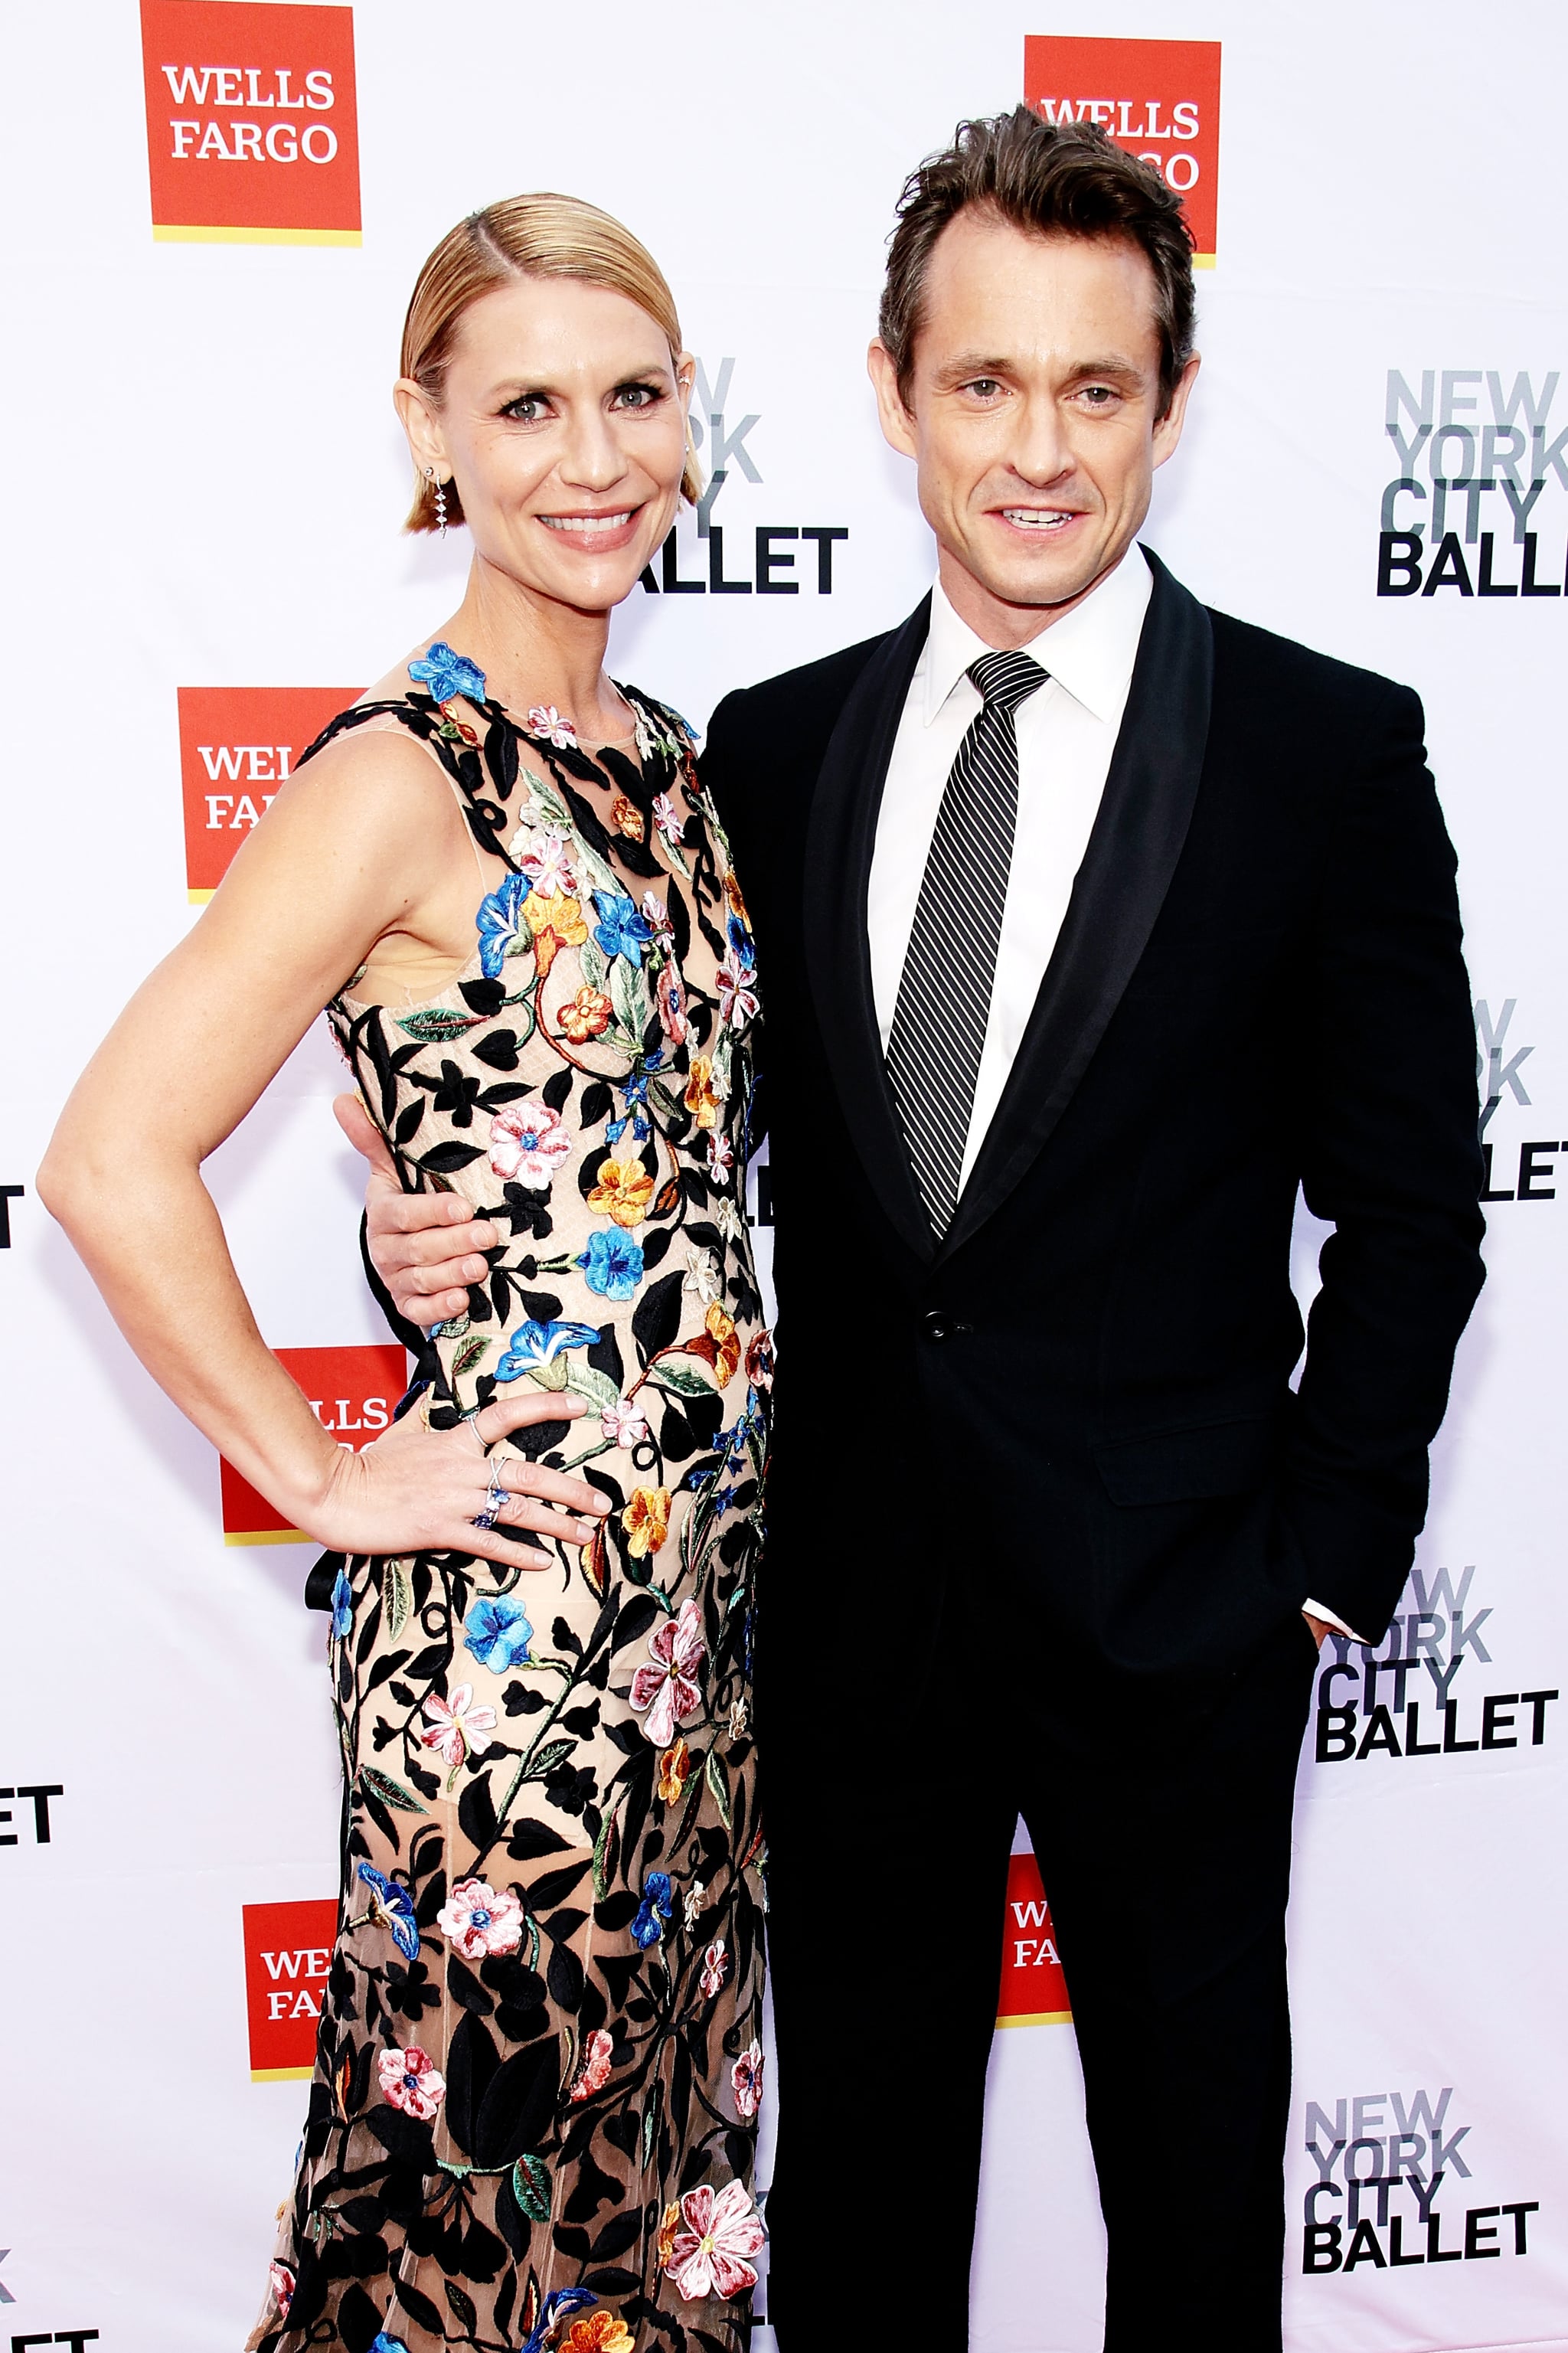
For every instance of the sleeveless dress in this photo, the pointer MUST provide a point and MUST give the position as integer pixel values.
(532, 2120)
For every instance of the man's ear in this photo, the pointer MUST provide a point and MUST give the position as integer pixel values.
(1168, 432)
(897, 424)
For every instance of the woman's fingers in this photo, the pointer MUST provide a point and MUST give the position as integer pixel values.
(488, 1543)
(503, 1415)
(545, 1520)
(522, 1478)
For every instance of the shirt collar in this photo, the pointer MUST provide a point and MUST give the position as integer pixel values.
(1090, 651)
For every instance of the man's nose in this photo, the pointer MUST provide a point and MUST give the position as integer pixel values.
(1039, 454)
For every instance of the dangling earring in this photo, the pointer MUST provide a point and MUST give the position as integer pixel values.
(440, 490)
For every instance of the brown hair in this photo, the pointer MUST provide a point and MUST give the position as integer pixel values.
(1062, 179)
(523, 237)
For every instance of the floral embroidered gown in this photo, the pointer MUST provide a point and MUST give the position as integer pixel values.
(532, 2118)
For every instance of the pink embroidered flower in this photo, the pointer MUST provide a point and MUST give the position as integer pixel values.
(546, 860)
(528, 1144)
(623, 1424)
(670, 1690)
(667, 818)
(477, 1920)
(715, 1967)
(671, 999)
(720, 1155)
(544, 719)
(760, 1360)
(737, 984)
(746, 2082)
(280, 2279)
(457, 1730)
(656, 916)
(595, 2072)
(410, 2082)
(717, 2232)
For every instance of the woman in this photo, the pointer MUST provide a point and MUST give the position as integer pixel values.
(533, 2114)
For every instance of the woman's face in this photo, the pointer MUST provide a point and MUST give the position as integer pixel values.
(563, 422)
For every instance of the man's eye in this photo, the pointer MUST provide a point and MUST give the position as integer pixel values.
(983, 386)
(1099, 395)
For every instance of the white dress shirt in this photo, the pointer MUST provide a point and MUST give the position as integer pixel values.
(1067, 732)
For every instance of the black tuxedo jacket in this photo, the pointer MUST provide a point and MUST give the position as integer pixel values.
(1079, 1403)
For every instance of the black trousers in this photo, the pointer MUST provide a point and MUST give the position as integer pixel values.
(1162, 1820)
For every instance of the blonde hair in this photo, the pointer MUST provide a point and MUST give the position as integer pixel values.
(541, 235)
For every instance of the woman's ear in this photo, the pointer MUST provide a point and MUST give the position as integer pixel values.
(422, 424)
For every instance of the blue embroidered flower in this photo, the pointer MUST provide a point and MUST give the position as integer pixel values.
(498, 1632)
(614, 1130)
(392, 1906)
(740, 939)
(447, 673)
(611, 1264)
(655, 1909)
(620, 930)
(342, 1604)
(532, 1345)
(722, 1499)
(500, 922)
(383, 2343)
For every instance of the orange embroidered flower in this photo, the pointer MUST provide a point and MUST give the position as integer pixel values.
(727, 1346)
(556, 922)
(600, 2332)
(586, 1015)
(665, 2245)
(702, 1098)
(623, 1191)
(645, 1520)
(627, 819)
(737, 904)
(673, 1768)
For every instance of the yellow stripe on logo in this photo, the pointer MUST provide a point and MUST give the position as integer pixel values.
(281, 2074)
(267, 1536)
(1040, 2018)
(166, 235)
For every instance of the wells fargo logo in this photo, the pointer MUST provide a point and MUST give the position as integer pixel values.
(353, 1392)
(1159, 99)
(288, 1954)
(1034, 1991)
(238, 743)
(252, 137)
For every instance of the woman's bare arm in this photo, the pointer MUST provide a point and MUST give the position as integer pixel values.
(349, 852)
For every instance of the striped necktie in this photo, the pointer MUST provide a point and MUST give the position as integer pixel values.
(950, 967)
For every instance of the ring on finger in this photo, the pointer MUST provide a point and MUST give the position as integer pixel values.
(495, 1496)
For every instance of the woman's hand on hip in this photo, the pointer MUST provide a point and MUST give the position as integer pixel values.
(418, 1489)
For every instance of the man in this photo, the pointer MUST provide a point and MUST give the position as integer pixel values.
(1090, 925)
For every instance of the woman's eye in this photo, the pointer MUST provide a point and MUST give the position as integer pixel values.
(637, 395)
(526, 409)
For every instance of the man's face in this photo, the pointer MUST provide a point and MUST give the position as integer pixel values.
(1032, 417)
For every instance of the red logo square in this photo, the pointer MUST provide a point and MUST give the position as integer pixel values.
(353, 1392)
(1034, 1991)
(252, 125)
(238, 744)
(1159, 99)
(288, 1958)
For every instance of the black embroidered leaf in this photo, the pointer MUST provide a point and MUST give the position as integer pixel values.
(595, 1103)
(409, 1120)
(658, 1318)
(530, 1840)
(621, 2231)
(477, 1815)
(556, 1089)
(484, 997)
(465, 1987)
(359, 2323)
(497, 1051)
(403, 2136)
(464, 2310)
(444, 1159)
(564, 1977)
(605, 1355)
(413, 2304)
(542, 1305)
(615, 2280)
(654, 1246)
(472, 2064)
(519, 2105)
(513, 2228)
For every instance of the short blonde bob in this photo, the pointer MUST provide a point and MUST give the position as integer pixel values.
(523, 237)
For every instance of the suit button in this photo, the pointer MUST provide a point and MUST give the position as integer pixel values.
(936, 1325)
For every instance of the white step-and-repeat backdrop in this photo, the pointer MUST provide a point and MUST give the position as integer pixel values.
(212, 215)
